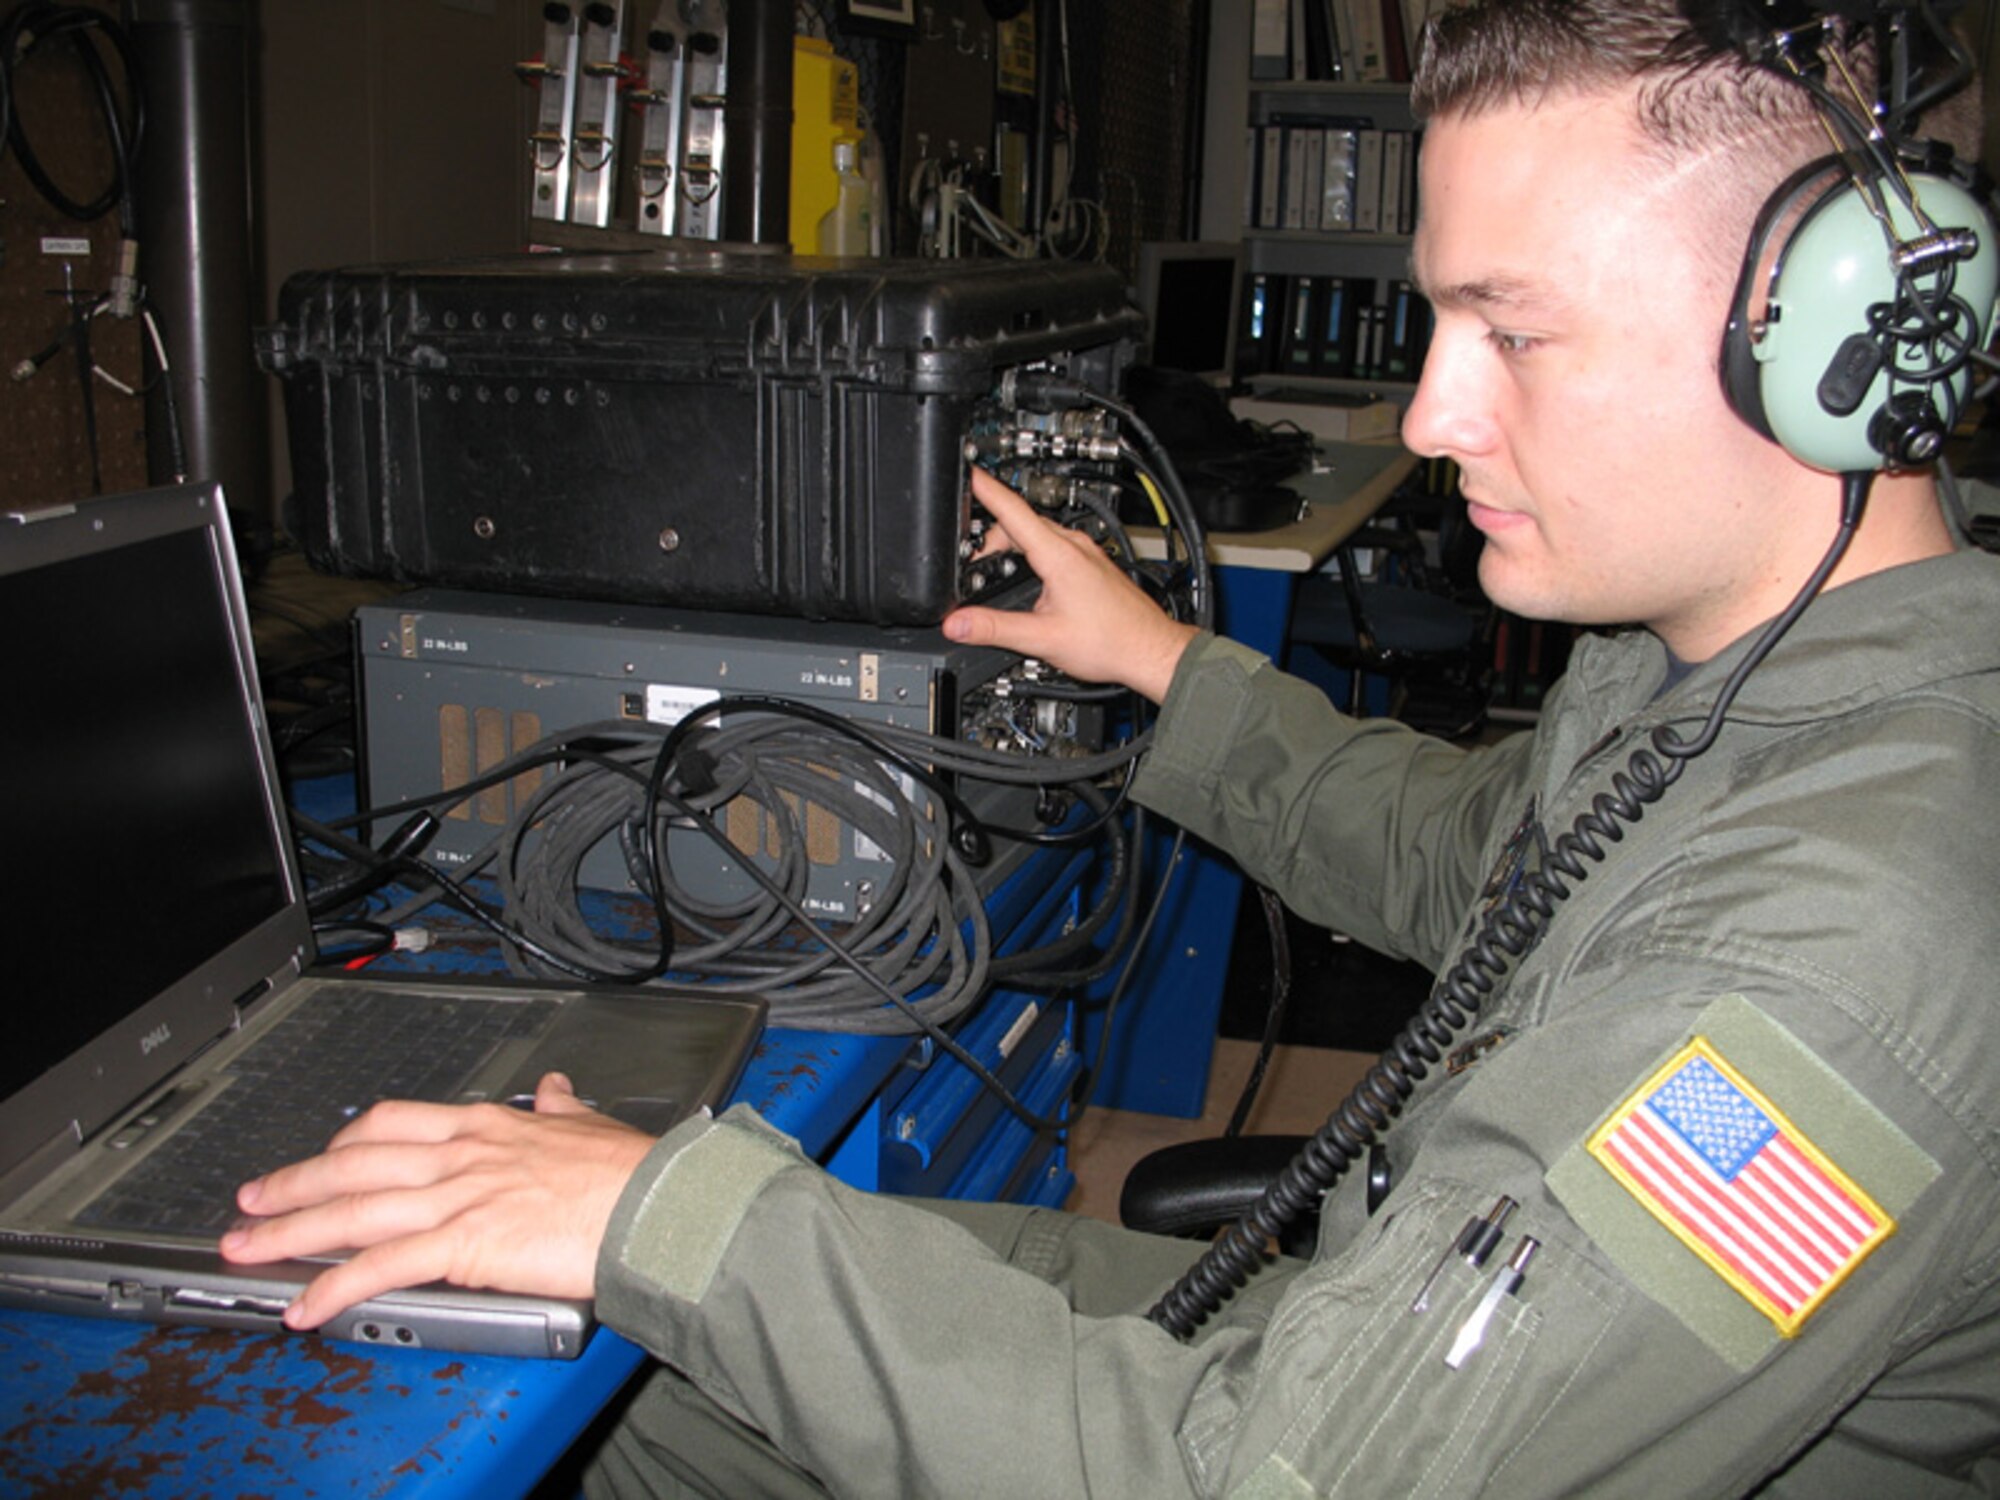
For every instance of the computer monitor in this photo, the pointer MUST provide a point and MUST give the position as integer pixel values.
(1190, 291)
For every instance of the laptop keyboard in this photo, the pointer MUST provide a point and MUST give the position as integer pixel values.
(299, 1083)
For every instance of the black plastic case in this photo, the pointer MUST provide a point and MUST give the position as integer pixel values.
(726, 430)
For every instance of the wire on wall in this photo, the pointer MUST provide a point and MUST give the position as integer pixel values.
(34, 36)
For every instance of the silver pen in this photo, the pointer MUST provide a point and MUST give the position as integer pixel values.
(1506, 1283)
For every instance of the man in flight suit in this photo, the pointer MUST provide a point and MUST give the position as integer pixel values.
(1742, 1091)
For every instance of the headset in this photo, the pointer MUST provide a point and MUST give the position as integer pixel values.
(1866, 295)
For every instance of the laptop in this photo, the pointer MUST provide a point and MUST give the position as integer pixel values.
(158, 990)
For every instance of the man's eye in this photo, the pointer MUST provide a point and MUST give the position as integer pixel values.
(1511, 343)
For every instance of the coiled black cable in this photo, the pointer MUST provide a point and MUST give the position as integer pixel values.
(1274, 1017)
(781, 767)
(30, 27)
(1506, 932)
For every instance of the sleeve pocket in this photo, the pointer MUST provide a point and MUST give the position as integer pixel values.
(1348, 1392)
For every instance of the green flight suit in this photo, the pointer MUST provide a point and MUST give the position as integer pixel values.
(1814, 899)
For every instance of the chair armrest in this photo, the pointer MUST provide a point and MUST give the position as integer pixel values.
(1195, 1188)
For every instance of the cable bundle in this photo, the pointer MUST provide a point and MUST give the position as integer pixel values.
(922, 933)
(917, 956)
(24, 32)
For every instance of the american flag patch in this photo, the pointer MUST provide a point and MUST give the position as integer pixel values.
(1736, 1182)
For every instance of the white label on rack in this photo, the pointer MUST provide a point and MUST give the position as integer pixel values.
(864, 846)
(57, 244)
(666, 704)
(1019, 1029)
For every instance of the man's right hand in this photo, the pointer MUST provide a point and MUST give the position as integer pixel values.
(1090, 620)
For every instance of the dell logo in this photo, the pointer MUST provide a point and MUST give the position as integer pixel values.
(159, 1036)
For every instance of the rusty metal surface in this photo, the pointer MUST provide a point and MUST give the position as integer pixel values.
(102, 1409)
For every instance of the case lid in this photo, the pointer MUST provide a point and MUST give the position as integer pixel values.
(920, 326)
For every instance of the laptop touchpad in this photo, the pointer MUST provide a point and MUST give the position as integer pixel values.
(612, 1050)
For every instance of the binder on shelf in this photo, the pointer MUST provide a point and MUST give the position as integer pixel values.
(1270, 32)
(1322, 41)
(1371, 333)
(1292, 211)
(1343, 36)
(1252, 157)
(1371, 54)
(1408, 332)
(1397, 50)
(1290, 169)
(1257, 327)
(1336, 209)
(1296, 347)
(1271, 178)
(1337, 321)
(1368, 181)
(1311, 143)
(1412, 143)
(1394, 145)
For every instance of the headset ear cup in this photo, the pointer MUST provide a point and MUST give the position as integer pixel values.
(1741, 377)
(1833, 355)
(1741, 369)
(1742, 380)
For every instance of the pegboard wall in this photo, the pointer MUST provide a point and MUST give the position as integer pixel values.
(1133, 136)
(1132, 93)
(48, 260)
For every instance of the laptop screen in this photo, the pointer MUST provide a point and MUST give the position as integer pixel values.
(131, 794)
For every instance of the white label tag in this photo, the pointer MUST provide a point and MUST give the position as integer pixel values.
(666, 704)
(1019, 1029)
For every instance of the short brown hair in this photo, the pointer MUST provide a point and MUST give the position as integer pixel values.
(1691, 96)
(1478, 55)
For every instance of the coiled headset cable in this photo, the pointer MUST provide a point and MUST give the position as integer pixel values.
(1507, 931)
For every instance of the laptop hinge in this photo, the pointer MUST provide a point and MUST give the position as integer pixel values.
(251, 999)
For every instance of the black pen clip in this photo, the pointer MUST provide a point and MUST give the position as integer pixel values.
(1475, 1243)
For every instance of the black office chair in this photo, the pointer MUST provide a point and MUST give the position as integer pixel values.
(1194, 1189)
(1423, 626)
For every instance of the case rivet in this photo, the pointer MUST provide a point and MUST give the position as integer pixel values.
(483, 528)
(670, 539)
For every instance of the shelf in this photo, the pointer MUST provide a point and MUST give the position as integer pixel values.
(1280, 380)
(1333, 239)
(1396, 95)
(1337, 297)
